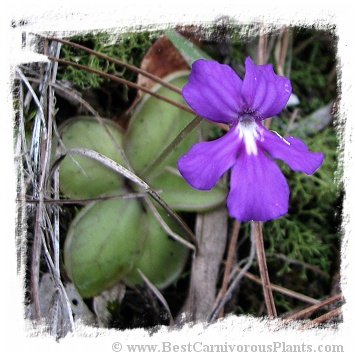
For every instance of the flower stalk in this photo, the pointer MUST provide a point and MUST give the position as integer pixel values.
(264, 275)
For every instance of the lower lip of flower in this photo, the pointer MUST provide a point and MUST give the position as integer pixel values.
(248, 134)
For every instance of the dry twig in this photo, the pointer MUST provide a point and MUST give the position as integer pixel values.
(229, 261)
(260, 252)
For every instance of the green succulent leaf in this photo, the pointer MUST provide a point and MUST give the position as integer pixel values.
(103, 243)
(182, 197)
(82, 177)
(155, 124)
(163, 258)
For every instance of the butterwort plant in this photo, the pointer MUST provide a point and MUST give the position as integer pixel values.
(258, 189)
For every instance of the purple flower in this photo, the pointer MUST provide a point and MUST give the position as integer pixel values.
(258, 189)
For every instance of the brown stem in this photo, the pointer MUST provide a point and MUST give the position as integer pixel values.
(281, 51)
(137, 86)
(229, 262)
(313, 308)
(282, 290)
(122, 81)
(262, 45)
(120, 63)
(323, 318)
(260, 253)
(221, 300)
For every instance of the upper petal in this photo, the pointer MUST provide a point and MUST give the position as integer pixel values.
(291, 150)
(213, 91)
(206, 162)
(258, 189)
(264, 91)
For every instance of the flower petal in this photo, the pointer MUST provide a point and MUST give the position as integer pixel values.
(291, 150)
(206, 162)
(258, 189)
(263, 90)
(213, 91)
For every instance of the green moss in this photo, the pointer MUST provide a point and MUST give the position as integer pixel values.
(308, 231)
(129, 48)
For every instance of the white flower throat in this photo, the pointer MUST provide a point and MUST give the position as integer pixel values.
(248, 133)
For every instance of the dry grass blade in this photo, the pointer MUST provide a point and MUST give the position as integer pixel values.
(87, 106)
(158, 294)
(165, 226)
(68, 201)
(222, 300)
(33, 93)
(51, 125)
(38, 156)
(142, 184)
(21, 160)
(45, 218)
(21, 152)
(58, 283)
(39, 124)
